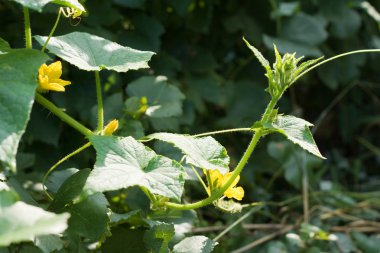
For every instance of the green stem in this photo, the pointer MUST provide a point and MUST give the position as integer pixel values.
(269, 109)
(100, 101)
(28, 31)
(88, 144)
(333, 58)
(219, 193)
(243, 129)
(62, 115)
(305, 189)
(243, 161)
(52, 30)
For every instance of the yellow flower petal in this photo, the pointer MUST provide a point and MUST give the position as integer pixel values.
(55, 70)
(55, 87)
(49, 77)
(227, 176)
(216, 178)
(61, 82)
(235, 192)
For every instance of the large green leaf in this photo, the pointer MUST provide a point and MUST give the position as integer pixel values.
(93, 53)
(195, 244)
(18, 81)
(158, 237)
(304, 29)
(297, 130)
(205, 153)
(124, 240)
(124, 162)
(164, 100)
(69, 190)
(89, 217)
(22, 222)
(39, 4)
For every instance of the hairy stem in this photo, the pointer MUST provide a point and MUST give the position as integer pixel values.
(100, 101)
(219, 193)
(52, 30)
(62, 115)
(28, 31)
(240, 166)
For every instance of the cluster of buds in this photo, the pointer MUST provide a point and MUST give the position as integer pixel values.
(285, 70)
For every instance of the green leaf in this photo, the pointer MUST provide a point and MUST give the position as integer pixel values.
(183, 220)
(18, 82)
(264, 62)
(57, 178)
(124, 240)
(93, 53)
(7, 196)
(39, 4)
(297, 130)
(70, 3)
(124, 162)
(145, 35)
(89, 218)
(205, 153)
(69, 190)
(304, 29)
(133, 218)
(48, 243)
(22, 222)
(164, 100)
(195, 244)
(157, 238)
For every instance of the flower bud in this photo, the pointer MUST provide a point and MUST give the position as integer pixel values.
(111, 127)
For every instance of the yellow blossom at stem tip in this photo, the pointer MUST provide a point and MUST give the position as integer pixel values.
(111, 127)
(218, 180)
(49, 78)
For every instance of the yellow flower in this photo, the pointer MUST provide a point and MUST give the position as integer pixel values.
(111, 127)
(49, 77)
(218, 180)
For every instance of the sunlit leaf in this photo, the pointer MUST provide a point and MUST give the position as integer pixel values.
(92, 53)
(297, 130)
(39, 4)
(18, 81)
(124, 162)
(195, 244)
(22, 222)
(205, 153)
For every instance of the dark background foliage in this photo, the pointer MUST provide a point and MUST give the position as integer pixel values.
(199, 48)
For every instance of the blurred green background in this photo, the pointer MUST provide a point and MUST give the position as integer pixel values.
(199, 49)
